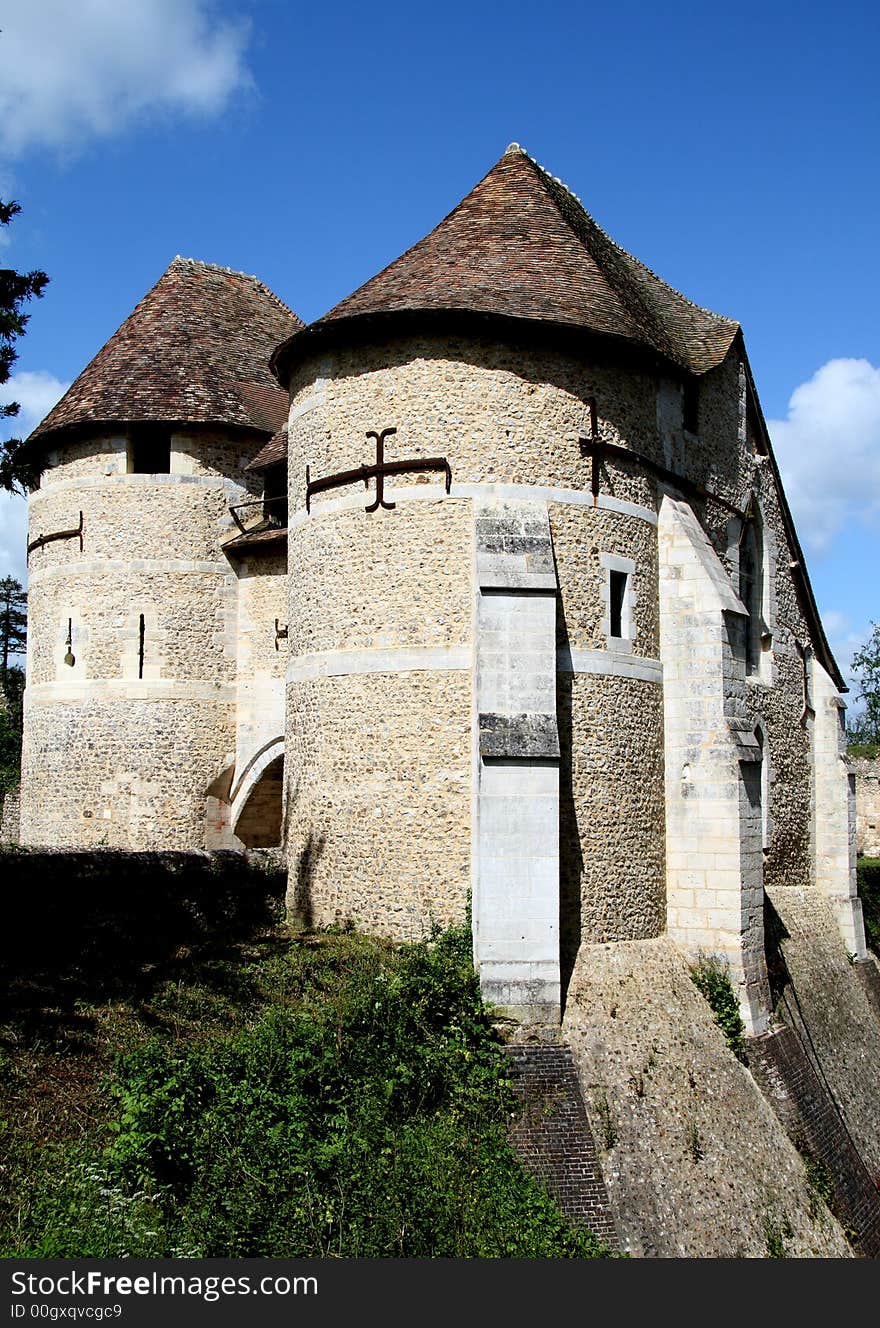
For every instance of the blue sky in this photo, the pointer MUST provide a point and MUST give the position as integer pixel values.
(731, 148)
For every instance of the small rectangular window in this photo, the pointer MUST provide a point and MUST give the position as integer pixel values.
(149, 450)
(616, 599)
(690, 407)
(275, 495)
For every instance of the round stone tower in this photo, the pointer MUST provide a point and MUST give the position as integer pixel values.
(131, 671)
(474, 689)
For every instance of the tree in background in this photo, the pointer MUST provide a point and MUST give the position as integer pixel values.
(863, 730)
(17, 472)
(13, 637)
(10, 728)
(13, 625)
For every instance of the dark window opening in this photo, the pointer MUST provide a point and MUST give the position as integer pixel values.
(141, 633)
(616, 597)
(275, 495)
(149, 450)
(690, 407)
(754, 432)
(751, 594)
(69, 657)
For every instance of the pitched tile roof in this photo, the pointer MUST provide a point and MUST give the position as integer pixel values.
(521, 245)
(258, 539)
(195, 350)
(272, 452)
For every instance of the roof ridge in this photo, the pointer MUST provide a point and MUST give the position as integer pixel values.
(233, 272)
(633, 258)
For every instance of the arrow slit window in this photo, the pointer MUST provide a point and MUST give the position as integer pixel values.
(751, 592)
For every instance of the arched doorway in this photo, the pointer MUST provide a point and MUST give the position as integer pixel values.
(257, 823)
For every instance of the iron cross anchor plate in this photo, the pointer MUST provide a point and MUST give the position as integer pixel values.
(378, 471)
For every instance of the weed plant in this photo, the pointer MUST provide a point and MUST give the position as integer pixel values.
(328, 1096)
(712, 980)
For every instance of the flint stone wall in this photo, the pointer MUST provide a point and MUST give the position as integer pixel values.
(124, 733)
(867, 776)
(10, 820)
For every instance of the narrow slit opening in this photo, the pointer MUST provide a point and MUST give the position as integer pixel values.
(617, 593)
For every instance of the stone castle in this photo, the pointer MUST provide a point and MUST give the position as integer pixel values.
(482, 587)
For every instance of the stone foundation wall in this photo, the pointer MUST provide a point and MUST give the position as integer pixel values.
(123, 768)
(553, 1136)
(867, 777)
(832, 1012)
(782, 1069)
(695, 1161)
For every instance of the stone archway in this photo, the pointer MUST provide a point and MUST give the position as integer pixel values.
(259, 822)
(257, 802)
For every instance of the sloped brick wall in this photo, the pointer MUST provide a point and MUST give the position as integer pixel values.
(805, 1107)
(554, 1139)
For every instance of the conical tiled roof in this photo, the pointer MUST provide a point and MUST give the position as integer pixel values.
(195, 350)
(521, 245)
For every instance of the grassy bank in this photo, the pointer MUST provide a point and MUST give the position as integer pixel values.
(268, 1094)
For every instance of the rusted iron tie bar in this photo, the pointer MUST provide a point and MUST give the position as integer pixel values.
(378, 471)
(597, 449)
(58, 535)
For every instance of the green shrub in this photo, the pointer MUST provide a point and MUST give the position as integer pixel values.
(367, 1117)
(712, 980)
(869, 890)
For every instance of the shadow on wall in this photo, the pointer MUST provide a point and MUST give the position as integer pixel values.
(571, 860)
(775, 933)
(88, 926)
(303, 903)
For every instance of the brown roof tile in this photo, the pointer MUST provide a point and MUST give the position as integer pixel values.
(268, 405)
(257, 539)
(272, 452)
(195, 350)
(521, 245)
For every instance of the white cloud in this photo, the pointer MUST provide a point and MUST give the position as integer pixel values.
(94, 67)
(13, 536)
(844, 641)
(36, 393)
(828, 450)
